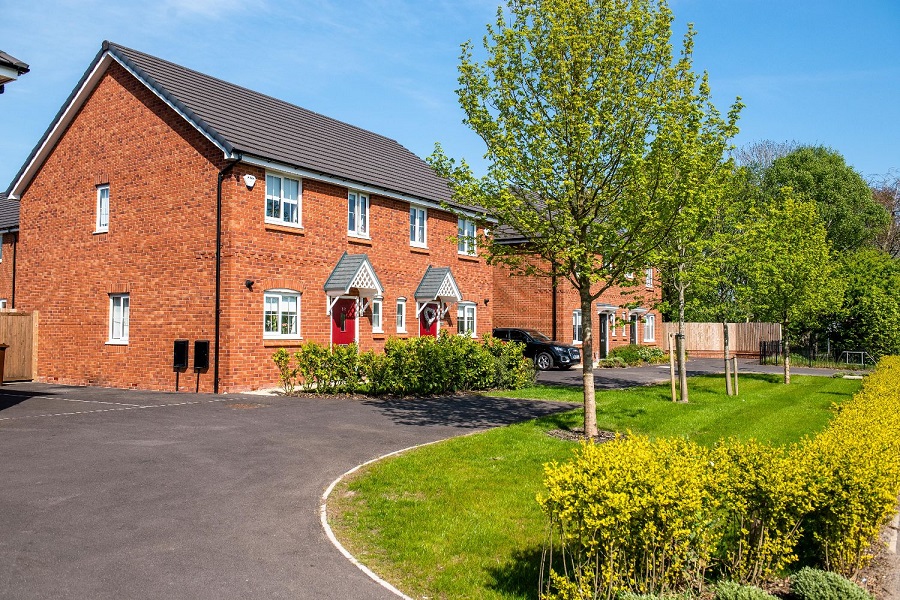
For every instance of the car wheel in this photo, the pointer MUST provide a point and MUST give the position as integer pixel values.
(543, 361)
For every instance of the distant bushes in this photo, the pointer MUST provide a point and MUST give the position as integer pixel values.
(416, 366)
(643, 516)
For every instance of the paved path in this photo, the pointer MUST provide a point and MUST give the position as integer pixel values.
(618, 378)
(124, 494)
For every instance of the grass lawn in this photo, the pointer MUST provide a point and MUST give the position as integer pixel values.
(459, 519)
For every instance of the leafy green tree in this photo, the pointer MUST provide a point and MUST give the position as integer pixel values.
(869, 319)
(594, 135)
(851, 216)
(791, 275)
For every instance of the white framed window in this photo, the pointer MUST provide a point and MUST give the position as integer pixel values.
(357, 214)
(283, 200)
(465, 319)
(612, 324)
(401, 315)
(3, 303)
(418, 226)
(629, 275)
(281, 314)
(119, 317)
(102, 224)
(466, 236)
(648, 277)
(624, 323)
(376, 316)
(649, 328)
(576, 326)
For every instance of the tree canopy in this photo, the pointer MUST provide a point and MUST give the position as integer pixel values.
(595, 135)
(851, 216)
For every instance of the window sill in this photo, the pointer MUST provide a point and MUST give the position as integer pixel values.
(419, 250)
(100, 232)
(286, 342)
(361, 241)
(468, 258)
(116, 342)
(283, 228)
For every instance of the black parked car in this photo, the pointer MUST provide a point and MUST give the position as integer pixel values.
(545, 352)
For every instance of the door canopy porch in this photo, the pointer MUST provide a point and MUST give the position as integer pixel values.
(353, 271)
(437, 285)
(606, 309)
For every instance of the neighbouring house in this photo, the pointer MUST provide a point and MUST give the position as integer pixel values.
(163, 204)
(10, 69)
(622, 314)
(9, 235)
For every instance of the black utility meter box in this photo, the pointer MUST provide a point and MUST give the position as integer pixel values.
(180, 355)
(201, 355)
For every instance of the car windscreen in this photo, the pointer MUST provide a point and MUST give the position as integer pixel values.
(537, 335)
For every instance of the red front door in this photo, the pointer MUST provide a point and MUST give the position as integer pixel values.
(343, 322)
(428, 320)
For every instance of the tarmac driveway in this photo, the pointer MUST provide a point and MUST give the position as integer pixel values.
(125, 494)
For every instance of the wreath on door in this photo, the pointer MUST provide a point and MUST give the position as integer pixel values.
(430, 316)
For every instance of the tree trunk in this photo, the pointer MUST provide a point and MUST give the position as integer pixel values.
(786, 345)
(587, 363)
(682, 357)
(728, 389)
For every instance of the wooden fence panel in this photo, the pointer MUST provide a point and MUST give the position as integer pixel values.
(705, 339)
(17, 329)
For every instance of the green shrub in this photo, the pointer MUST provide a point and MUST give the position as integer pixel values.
(632, 354)
(287, 373)
(732, 590)
(613, 362)
(813, 584)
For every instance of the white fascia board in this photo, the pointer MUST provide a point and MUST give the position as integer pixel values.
(8, 74)
(72, 109)
(354, 185)
(61, 125)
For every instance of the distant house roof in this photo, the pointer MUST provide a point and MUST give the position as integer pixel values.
(9, 214)
(260, 129)
(10, 69)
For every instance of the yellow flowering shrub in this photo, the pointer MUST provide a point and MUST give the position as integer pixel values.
(653, 516)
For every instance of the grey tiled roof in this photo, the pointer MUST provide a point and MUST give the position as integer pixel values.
(345, 272)
(255, 124)
(12, 62)
(432, 281)
(9, 214)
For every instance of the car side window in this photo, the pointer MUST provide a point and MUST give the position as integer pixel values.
(517, 336)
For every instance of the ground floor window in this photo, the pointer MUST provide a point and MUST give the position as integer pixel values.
(376, 316)
(465, 319)
(576, 326)
(612, 324)
(649, 327)
(401, 315)
(281, 318)
(119, 316)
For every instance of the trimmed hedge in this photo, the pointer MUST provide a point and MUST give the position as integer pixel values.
(814, 584)
(633, 354)
(642, 516)
(732, 590)
(415, 366)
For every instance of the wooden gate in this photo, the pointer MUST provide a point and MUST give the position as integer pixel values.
(19, 331)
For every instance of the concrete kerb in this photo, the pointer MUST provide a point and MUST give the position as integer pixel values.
(323, 514)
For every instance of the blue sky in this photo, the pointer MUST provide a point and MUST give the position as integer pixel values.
(815, 71)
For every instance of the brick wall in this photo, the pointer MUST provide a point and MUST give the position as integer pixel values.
(160, 249)
(526, 301)
(8, 244)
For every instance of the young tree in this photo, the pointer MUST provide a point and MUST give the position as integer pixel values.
(594, 136)
(789, 267)
(887, 193)
(844, 200)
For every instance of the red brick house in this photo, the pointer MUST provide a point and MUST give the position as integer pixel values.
(163, 204)
(9, 235)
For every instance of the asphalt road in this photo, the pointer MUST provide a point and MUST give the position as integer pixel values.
(125, 494)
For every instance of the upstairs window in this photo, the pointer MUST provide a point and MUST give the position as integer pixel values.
(465, 319)
(281, 314)
(119, 317)
(282, 200)
(648, 279)
(102, 224)
(357, 214)
(418, 227)
(466, 236)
